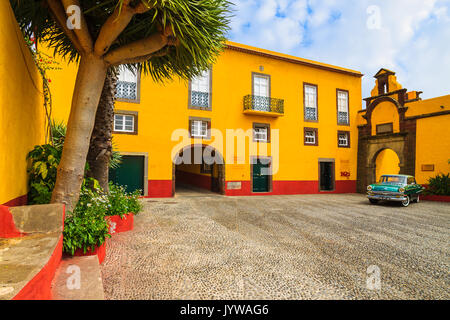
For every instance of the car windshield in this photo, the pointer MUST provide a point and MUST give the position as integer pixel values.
(393, 179)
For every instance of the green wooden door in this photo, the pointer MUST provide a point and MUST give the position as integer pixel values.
(260, 177)
(130, 174)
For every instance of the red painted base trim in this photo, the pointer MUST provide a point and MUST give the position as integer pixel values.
(7, 227)
(193, 179)
(39, 288)
(294, 187)
(435, 198)
(20, 201)
(99, 251)
(159, 189)
(118, 224)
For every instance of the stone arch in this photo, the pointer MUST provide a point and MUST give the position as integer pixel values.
(369, 148)
(373, 161)
(219, 163)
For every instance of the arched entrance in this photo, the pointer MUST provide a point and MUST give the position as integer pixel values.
(197, 168)
(386, 162)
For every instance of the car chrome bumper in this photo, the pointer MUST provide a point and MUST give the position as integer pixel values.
(387, 197)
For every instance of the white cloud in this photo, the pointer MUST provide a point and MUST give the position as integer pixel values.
(413, 38)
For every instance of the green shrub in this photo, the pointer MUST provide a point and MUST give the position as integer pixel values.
(120, 202)
(43, 165)
(44, 161)
(86, 227)
(439, 185)
(134, 205)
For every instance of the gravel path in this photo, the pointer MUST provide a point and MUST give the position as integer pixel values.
(280, 247)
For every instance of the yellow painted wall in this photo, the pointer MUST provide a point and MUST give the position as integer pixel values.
(433, 146)
(385, 112)
(433, 105)
(164, 108)
(21, 107)
(387, 162)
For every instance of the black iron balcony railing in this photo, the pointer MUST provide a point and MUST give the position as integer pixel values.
(264, 104)
(200, 99)
(126, 90)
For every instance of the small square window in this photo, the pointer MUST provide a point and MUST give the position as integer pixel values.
(125, 123)
(261, 132)
(343, 139)
(311, 137)
(206, 168)
(199, 128)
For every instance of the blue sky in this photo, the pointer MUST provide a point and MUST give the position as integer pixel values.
(410, 37)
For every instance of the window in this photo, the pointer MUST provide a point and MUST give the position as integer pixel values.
(128, 85)
(393, 179)
(125, 122)
(385, 128)
(342, 107)
(261, 132)
(344, 139)
(261, 92)
(200, 91)
(311, 137)
(200, 128)
(206, 168)
(310, 102)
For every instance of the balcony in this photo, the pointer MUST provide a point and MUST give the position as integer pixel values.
(126, 90)
(263, 106)
(200, 99)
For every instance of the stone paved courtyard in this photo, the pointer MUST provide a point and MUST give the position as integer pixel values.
(280, 247)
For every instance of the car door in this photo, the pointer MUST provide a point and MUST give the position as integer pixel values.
(413, 187)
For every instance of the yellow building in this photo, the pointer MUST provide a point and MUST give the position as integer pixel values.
(401, 133)
(21, 109)
(274, 124)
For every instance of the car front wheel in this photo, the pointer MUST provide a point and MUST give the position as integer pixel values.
(373, 201)
(406, 202)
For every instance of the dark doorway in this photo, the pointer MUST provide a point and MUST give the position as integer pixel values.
(260, 175)
(198, 168)
(130, 174)
(326, 175)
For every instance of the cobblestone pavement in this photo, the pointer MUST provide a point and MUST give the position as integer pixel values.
(280, 247)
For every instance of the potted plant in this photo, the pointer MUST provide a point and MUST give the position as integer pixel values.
(122, 207)
(85, 229)
(438, 188)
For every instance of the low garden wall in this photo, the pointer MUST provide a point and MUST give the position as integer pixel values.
(30, 250)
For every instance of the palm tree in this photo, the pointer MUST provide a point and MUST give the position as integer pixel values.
(101, 146)
(166, 38)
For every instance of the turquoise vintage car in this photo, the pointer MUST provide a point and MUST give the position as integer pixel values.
(400, 188)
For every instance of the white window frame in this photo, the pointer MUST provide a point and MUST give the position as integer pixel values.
(311, 100)
(312, 137)
(343, 105)
(199, 129)
(126, 76)
(261, 134)
(202, 83)
(258, 84)
(345, 139)
(123, 126)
